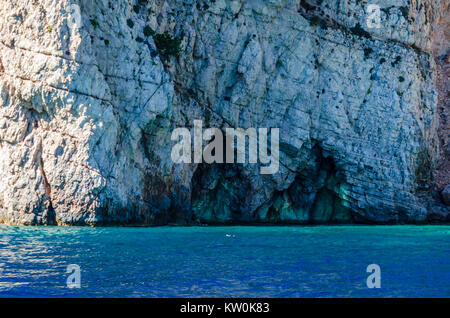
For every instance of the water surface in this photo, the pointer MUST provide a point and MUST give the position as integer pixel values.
(291, 261)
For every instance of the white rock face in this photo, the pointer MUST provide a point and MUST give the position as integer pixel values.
(87, 110)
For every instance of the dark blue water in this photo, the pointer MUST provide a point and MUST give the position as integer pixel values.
(322, 261)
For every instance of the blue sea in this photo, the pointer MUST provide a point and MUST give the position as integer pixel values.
(238, 261)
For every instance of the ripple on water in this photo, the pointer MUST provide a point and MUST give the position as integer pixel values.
(292, 261)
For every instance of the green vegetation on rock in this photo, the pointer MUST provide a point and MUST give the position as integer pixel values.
(166, 44)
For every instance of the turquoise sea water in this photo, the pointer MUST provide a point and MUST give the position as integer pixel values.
(291, 261)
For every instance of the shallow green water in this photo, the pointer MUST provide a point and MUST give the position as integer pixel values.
(291, 261)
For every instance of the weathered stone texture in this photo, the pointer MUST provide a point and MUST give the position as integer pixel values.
(86, 114)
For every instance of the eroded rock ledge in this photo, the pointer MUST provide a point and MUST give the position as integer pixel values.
(86, 113)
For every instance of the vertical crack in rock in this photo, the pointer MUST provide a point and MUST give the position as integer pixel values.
(48, 215)
(48, 190)
(2, 68)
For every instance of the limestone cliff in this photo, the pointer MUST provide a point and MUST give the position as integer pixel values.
(90, 92)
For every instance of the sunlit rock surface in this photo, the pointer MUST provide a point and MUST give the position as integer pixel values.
(87, 111)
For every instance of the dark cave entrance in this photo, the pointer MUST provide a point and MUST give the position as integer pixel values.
(313, 197)
(221, 193)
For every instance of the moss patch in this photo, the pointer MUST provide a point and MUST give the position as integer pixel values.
(94, 23)
(130, 23)
(359, 31)
(166, 44)
(405, 12)
(148, 31)
(367, 52)
(397, 60)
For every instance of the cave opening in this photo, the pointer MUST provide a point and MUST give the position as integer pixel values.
(315, 196)
(224, 193)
